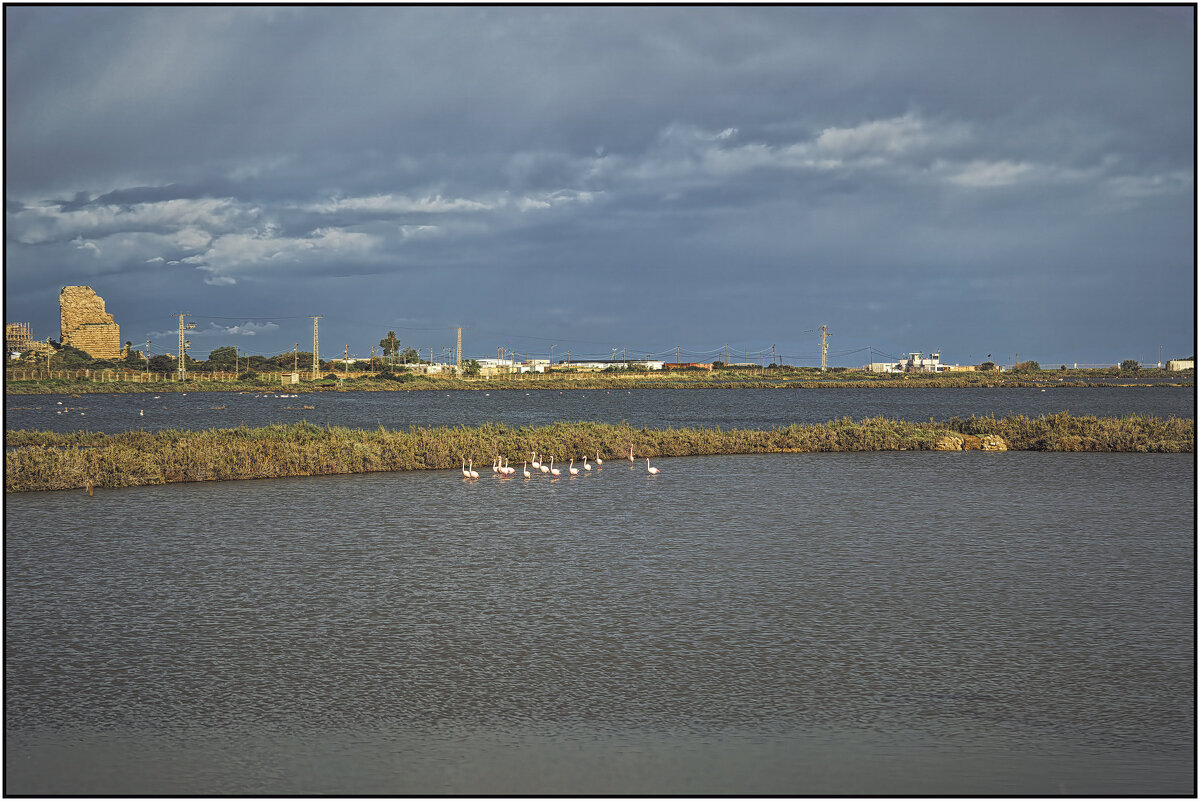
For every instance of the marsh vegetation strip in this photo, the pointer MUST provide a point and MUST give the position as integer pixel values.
(861, 623)
(651, 408)
(49, 461)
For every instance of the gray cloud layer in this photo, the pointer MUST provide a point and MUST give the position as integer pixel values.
(979, 179)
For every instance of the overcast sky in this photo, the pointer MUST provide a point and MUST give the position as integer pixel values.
(981, 180)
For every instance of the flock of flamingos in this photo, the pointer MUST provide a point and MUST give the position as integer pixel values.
(502, 470)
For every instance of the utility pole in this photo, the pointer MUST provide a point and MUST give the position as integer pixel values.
(551, 357)
(677, 354)
(236, 359)
(346, 363)
(147, 360)
(316, 368)
(824, 347)
(183, 346)
(458, 359)
(773, 354)
(296, 358)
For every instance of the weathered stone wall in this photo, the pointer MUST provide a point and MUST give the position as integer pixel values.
(85, 325)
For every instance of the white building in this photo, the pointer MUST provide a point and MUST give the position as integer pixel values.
(604, 364)
(915, 363)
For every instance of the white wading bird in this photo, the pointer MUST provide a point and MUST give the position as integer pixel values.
(649, 469)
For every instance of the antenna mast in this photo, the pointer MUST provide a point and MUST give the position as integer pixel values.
(316, 368)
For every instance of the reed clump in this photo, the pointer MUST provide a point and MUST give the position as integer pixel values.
(40, 460)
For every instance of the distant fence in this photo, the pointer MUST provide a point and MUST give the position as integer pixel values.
(108, 376)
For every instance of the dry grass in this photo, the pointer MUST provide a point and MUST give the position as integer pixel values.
(47, 461)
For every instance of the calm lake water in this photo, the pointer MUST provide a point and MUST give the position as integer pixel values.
(741, 408)
(880, 623)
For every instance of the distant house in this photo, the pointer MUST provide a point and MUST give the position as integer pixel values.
(290, 378)
(1181, 364)
(915, 363)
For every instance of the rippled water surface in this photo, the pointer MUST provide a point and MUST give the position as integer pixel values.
(801, 624)
(740, 408)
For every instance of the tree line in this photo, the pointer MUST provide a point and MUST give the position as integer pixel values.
(225, 359)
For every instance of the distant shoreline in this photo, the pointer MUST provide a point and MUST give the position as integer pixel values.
(42, 460)
(1044, 379)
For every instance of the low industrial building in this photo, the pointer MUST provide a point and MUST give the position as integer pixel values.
(1181, 364)
(596, 365)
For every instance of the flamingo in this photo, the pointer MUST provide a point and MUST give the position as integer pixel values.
(599, 461)
(649, 469)
(543, 467)
(534, 461)
(571, 468)
(508, 470)
(554, 471)
(525, 470)
(471, 467)
(586, 466)
(466, 473)
(631, 454)
(496, 465)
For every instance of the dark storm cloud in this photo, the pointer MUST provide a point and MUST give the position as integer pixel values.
(637, 174)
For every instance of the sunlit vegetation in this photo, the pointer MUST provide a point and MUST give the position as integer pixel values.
(767, 378)
(39, 460)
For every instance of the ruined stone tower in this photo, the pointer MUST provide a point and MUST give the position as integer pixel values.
(85, 325)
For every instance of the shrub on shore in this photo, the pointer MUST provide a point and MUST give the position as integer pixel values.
(39, 460)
